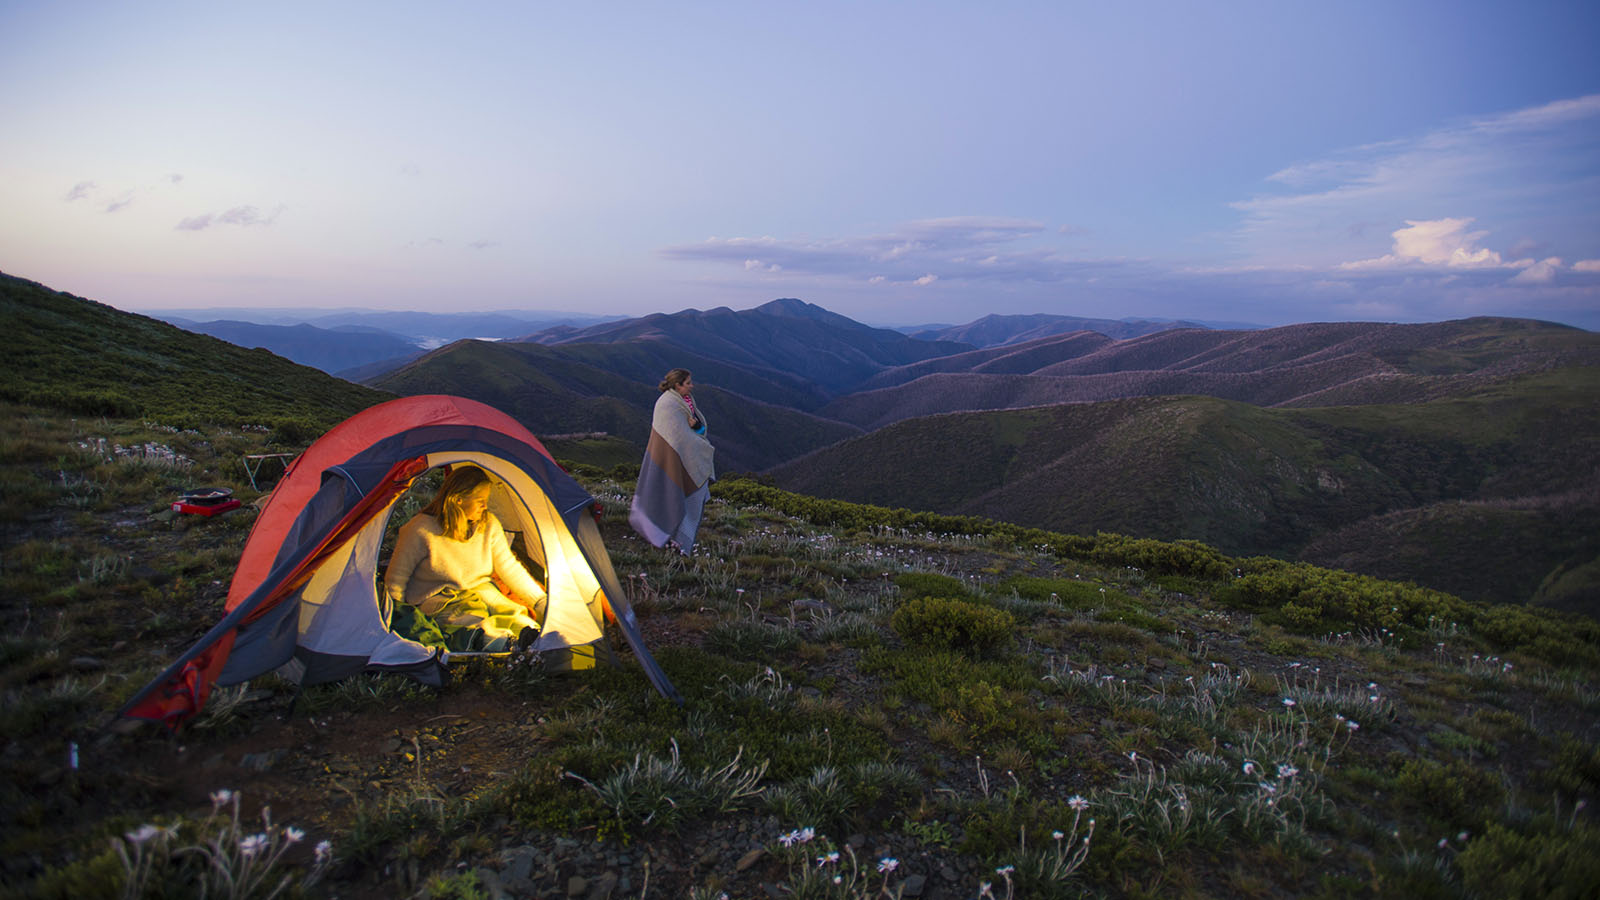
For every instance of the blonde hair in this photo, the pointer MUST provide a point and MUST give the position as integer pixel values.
(446, 505)
(673, 379)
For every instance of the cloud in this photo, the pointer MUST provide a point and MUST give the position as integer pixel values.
(80, 191)
(247, 215)
(954, 250)
(1446, 244)
(1520, 170)
(120, 203)
(238, 215)
(1435, 242)
(483, 245)
(1542, 272)
(1586, 265)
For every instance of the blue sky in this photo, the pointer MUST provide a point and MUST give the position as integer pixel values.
(900, 163)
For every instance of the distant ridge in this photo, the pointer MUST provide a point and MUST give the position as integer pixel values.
(426, 327)
(999, 330)
(331, 350)
(1318, 364)
(787, 337)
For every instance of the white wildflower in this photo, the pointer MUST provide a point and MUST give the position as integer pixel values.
(253, 844)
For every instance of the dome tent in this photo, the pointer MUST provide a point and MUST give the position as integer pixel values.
(305, 599)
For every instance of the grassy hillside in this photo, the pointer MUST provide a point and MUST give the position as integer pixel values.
(942, 702)
(72, 354)
(550, 392)
(1272, 481)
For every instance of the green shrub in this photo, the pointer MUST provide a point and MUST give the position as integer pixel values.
(942, 623)
(1549, 862)
(296, 432)
(1559, 638)
(930, 584)
(1457, 794)
(1576, 769)
(1310, 600)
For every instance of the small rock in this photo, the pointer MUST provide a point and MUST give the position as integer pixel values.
(604, 886)
(1155, 662)
(577, 886)
(86, 664)
(261, 762)
(392, 745)
(749, 859)
(489, 881)
(948, 874)
(709, 858)
(857, 841)
(914, 885)
(517, 863)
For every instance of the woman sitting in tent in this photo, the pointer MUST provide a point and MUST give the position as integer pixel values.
(447, 561)
(676, 474)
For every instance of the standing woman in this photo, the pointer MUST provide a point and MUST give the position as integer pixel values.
(447, 561)
(676, 474)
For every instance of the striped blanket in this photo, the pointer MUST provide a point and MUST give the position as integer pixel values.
(674, 477)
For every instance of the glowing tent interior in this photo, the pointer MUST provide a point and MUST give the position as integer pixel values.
(305, 599)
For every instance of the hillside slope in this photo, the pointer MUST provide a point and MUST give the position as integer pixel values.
(1325, 484)
(73, 354)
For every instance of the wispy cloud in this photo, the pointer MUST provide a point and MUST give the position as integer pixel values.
(958, 249)
(111, 201)
(238, 215)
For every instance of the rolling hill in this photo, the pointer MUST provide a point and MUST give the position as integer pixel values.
(1328, 364)
(553, 390)
(1489, 496)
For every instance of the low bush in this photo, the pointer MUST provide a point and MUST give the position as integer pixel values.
(930, 584)
(1549, 861)
(943, 623)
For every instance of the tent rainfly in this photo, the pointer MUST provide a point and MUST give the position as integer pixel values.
(305, 599)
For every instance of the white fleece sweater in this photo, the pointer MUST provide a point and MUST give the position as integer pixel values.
(426, 561)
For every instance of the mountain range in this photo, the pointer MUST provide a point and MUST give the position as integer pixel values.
(359, 343)
(1461, 455)
(1407, 450)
